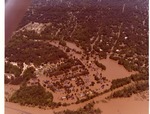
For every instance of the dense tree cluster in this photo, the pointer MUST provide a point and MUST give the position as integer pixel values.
(128, 91)
(62, 42)
(12, 69)
(17, 81)
(32, 95)
(116, 83)
(103, 67)
(29, 51)
(29, 73)
(139, 77)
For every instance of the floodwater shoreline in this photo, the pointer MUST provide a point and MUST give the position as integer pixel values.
(117, 106)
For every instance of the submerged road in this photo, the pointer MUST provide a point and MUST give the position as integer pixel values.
(16, 110)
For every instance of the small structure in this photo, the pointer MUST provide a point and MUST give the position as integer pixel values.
(62, 98)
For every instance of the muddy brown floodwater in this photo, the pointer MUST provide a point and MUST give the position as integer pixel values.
(124, 106)
(114, 70)
(115, 106)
